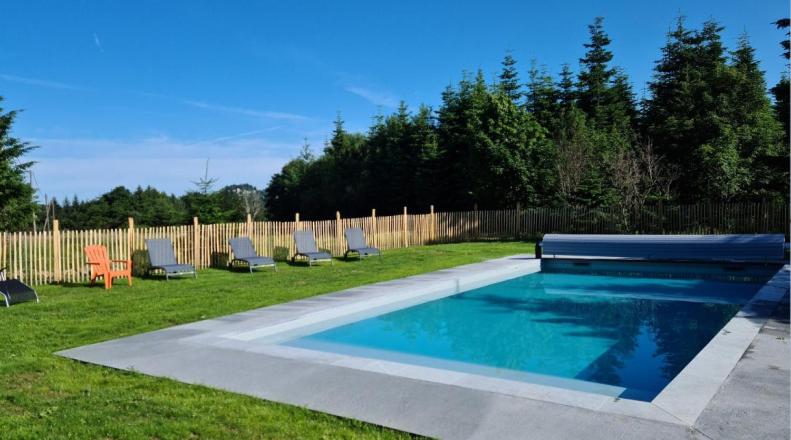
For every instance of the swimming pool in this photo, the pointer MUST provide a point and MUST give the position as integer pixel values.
(614, 328)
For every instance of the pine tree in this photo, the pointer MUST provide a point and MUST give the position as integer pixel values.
(326, 185)
(567, 96)
(781, 92)
(758, 133)
(782, 89)
(622, 109)
(785, 23)
(604, 92)
(336, 143)
(595, 73)
(542, 97)
(423, 141)
(683, 113)
(509, 79)
(16, 195)
(458, 138)
(749, 107)
(389, 159)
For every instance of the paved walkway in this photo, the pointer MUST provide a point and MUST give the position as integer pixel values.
(753, 403)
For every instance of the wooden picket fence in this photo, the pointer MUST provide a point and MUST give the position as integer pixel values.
(56, 255)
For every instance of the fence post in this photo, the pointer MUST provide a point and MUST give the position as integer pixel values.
(477, 219)
(518, 226)
(3, 252)
(405, 221)
(433, 224)
(296, 221)
(338, 236)
(195, 242)
(56, 251)
(250, 225)
(375, 231)
(130, 236)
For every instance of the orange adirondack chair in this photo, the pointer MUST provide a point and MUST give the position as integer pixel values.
(102, 266)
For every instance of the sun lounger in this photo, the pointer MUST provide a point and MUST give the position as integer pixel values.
(306, 248)
(244, 252)
(355, 241)
(14, 291)
(162, 257)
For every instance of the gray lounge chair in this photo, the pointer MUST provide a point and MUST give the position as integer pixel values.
(14, 291)
(244, 252)
(162, 257)
(306, 247)
(355, 240)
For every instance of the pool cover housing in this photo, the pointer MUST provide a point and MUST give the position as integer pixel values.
(761, 248)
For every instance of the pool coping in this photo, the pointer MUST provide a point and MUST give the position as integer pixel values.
(680, 403)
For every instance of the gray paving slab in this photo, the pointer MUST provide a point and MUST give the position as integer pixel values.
(232, 353)
(753, 403)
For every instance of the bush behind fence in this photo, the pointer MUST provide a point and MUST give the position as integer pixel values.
(57, 256)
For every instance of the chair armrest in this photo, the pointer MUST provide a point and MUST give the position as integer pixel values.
(91, 262)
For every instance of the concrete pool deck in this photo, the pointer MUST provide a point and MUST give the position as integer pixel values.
(737, 386)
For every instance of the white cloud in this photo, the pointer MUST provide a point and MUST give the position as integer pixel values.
(245, 111)
(97, 42)
(234, 136)
(284, 116)
(383, 98)
(40, 82)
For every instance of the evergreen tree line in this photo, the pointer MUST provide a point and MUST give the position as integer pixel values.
(706, 131)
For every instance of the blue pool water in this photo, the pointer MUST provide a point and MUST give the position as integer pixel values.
(621, 336)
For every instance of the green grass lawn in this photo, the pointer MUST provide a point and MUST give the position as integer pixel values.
(45, 396)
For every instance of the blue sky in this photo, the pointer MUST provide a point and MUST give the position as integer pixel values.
(142, 93)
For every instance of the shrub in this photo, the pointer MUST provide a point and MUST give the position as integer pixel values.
(219, 260)
(140, 263)
(281, 254)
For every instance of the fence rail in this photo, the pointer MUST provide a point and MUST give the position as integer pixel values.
(56, 255)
